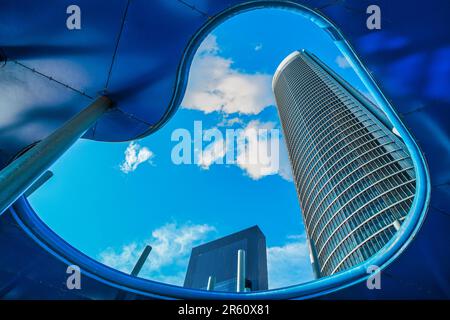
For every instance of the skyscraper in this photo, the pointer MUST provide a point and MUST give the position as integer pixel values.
(216, 263)
(354, 176)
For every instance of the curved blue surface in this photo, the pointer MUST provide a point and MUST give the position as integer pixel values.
(410, 64)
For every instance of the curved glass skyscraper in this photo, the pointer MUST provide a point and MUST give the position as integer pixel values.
(354, 177)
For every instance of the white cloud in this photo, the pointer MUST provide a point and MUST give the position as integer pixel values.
(261, 144)
(171, 246)
(258, 47)
(289, 264)
(134, 156)
(212, 154)
(209, 45)
(250, 160)
(261, 152)
(229, 122)
(342, 62)
(214, 85)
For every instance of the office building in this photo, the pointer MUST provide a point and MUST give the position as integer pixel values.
(214, 265)
(354, 176)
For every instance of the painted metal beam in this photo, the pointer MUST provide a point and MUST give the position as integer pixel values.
(39, 183)
(241, 274)
(20, 174)
(140, 263)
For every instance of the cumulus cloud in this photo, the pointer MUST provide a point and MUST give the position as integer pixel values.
(289, 264)
(230, 122)
(134, 156)
(209, 45)
(257, 149)
(171, 246)
(269, 150)
(214, 153)
(342, 62)
(215, 85)
(260, 157)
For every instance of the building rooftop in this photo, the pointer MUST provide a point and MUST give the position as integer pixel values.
(282, 65)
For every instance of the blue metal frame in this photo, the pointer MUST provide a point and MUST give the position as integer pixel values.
(52, 243)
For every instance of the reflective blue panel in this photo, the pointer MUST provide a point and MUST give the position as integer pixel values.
(408, 58)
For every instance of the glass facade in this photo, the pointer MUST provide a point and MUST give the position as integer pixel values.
(218, 259)
(354, 177)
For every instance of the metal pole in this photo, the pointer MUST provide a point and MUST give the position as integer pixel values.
(211, 283)
(39, 182)
(240, 287)
(17, 177)
(122, 295)
(140, 263)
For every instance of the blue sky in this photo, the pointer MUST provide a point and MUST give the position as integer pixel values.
(111, 199)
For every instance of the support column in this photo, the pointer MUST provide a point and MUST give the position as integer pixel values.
(211, 283)
(20, 174)
(241, 272)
